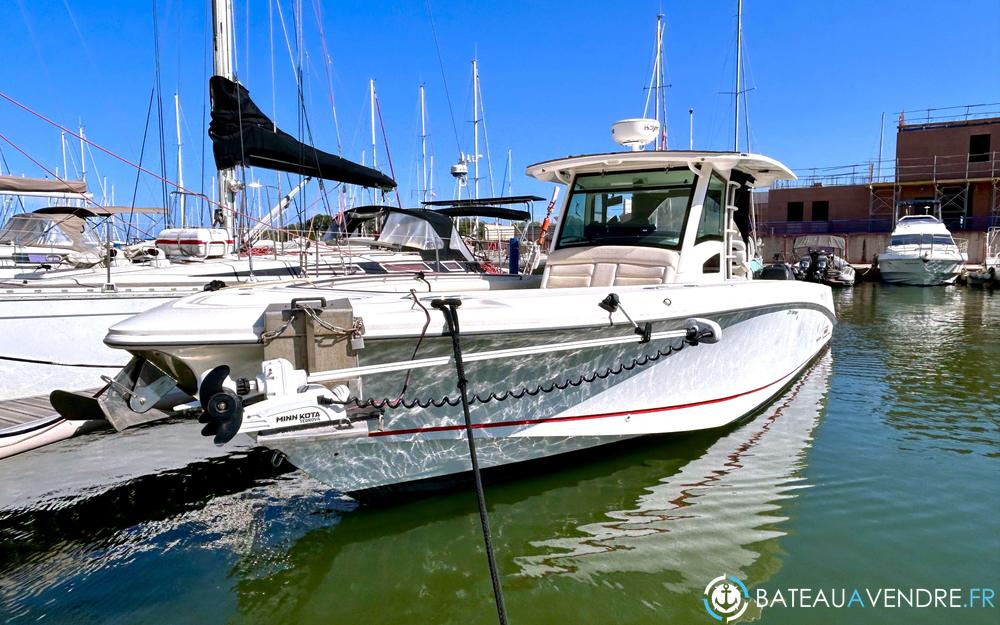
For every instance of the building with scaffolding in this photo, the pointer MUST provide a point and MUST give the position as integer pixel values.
(947, 158)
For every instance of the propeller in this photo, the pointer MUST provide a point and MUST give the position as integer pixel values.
(223, 409)
(213, 382)
(223, 416)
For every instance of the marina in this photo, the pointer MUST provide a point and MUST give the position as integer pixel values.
(825, 475)
(288, 379)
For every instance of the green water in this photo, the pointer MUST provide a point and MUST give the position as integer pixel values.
(880, 468)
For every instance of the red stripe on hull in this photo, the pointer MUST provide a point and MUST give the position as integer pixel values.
(604, 415)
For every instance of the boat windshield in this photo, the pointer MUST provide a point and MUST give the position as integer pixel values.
(410, 231)
(644, 208)
(49, 230)
(921, 239)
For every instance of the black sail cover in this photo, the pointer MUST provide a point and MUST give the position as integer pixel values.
(242, 134)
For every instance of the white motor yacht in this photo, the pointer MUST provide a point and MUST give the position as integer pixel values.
(645, 321)
(921, 252)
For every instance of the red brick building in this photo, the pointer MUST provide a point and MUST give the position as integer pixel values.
(948, 156)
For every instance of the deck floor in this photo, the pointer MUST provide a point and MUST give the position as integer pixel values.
(25, 409)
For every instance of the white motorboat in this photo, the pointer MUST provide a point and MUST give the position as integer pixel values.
(645, 321)
(921, 252)
(822, 258)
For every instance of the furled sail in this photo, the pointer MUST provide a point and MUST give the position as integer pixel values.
(242, 134)
(17, 184)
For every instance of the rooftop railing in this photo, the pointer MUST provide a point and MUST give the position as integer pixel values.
(874, 224)
(940, 168)
(968, 112)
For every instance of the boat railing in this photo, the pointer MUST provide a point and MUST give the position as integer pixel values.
(934, 169)
(735, 247)
(993, 242)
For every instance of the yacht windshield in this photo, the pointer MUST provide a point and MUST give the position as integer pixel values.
(921, 239)
(645, 208)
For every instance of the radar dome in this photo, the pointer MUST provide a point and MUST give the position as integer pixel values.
(635, 133)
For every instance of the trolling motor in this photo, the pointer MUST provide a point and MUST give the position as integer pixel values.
(279, 397)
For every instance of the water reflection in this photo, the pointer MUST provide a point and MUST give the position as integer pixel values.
(935, 354)
(47, 542)
(720, 512)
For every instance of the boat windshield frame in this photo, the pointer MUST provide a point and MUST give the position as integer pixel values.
(49, 230)
(640, 238)
(924, 238)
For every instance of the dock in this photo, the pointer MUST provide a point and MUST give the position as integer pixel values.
(30, 422)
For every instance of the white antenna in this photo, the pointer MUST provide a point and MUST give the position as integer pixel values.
(182, 197)
(691, 129)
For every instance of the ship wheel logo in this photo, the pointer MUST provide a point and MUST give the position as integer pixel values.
(726, 598)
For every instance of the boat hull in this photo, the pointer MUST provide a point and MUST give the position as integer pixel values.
(697, 388)
(47, 337)
(919, 271)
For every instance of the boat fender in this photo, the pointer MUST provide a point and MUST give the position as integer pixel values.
(702, 331)
(214, 285)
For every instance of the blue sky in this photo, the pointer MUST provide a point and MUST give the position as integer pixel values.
(554, 75)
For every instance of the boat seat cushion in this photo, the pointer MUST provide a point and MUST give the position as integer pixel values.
(609, 265)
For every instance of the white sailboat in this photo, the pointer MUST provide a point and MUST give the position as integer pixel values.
(645, 321)
(62, 285)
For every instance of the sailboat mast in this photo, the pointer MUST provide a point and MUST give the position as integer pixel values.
(658, 72)
(475, 124)
(739, 61)
(371, 102)
(83, 160)
(180, 163)
(423, 144)
(62, 141)
(222, 37)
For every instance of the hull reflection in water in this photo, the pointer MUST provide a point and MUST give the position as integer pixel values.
(715, 515)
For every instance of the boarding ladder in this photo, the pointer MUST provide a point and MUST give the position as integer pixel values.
(737, 261)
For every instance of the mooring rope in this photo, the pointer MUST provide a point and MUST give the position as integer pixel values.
(34, 361)
(448, 307)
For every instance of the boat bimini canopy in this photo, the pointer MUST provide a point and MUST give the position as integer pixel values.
(56, 227)
(819, 241)
(762, 169)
